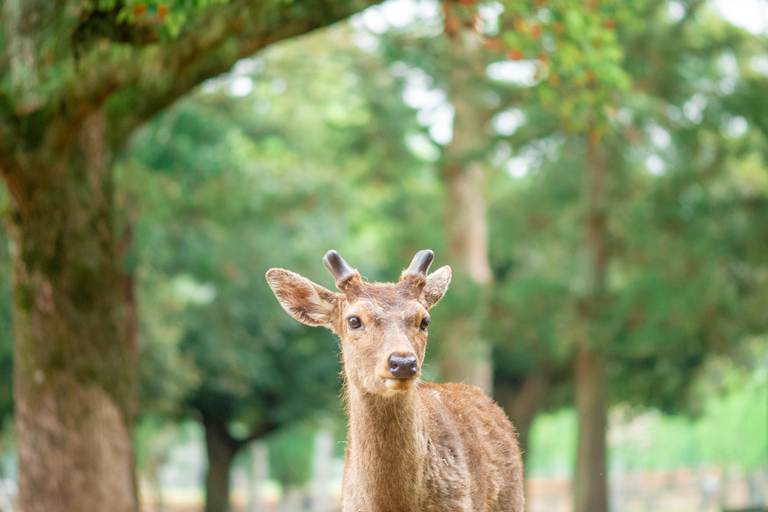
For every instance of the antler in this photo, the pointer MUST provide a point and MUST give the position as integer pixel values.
(414, 278)
(421, 262)
(345, 276)
(336, 265)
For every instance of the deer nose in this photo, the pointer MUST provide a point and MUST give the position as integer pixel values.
(403, 366)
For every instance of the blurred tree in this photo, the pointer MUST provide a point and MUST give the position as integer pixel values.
(465, 355)
(558, 300)
(578, 49)
(483, 110)
(439, 55)
(683, 306)
(202, 257)
(79, 78)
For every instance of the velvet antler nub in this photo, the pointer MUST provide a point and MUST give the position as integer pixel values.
(421, 262)
(337, 266)
(348, 279)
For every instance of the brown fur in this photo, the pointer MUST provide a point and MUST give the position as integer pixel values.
(413, 446)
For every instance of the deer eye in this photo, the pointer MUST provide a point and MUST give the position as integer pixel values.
(354, 322)
(424, 324)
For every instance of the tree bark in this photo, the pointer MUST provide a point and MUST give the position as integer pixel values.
(221, 449)
(590, 478)
(74, 374)
(465, 355)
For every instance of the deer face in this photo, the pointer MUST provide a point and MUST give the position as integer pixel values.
(383, 326)
(383, 339)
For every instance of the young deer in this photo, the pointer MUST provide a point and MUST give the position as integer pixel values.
(413, 446)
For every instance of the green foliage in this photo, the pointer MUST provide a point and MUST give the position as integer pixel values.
(686, 251)
(730, 432)
(734, 425)
(578, 54)
(685, 259)
(552, 444)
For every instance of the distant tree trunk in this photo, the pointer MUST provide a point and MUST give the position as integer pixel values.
(74, 374)
(465, 355)
(523, 406)
(221, 449)
(590, 482)
(590, 478)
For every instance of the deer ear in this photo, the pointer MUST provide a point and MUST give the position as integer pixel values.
(437, 285)
(307, 302)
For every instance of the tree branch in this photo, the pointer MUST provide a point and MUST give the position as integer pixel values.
(103, 24)
(257, 433)
(209, 47)
(9, 170)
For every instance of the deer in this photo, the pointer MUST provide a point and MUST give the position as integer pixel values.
(412, 445)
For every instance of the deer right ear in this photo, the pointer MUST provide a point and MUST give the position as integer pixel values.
(437, 285)
(307, 302)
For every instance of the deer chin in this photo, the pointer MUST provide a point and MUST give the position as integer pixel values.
(394, 387)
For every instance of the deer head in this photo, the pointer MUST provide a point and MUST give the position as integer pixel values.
(383, 326)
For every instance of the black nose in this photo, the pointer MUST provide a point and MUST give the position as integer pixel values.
(403, 366)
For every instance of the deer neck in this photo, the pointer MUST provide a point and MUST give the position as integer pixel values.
(388, 449)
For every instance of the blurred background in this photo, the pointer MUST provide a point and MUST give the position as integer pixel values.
(595, 171)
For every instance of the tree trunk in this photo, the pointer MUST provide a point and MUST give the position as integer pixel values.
(465, 355)
(590, 483)
(74, 374)
(221, 449)
(590, 478)
(523, 406)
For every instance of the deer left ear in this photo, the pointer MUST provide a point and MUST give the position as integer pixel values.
(437, 285)
(307, 302)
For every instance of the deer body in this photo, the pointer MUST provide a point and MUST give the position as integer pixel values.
(412, 446)
(448, 448)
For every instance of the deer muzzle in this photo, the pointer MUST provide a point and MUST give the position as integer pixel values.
(403, 366)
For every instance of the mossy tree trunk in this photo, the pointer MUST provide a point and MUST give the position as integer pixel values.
(74, 374)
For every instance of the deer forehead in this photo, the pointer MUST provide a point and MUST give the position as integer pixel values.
(399, 310)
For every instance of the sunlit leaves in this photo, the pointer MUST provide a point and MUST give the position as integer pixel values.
(579, 57)
(170, 14)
